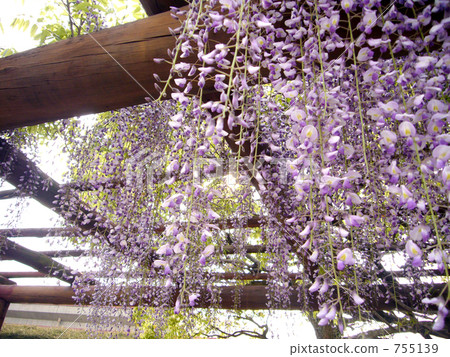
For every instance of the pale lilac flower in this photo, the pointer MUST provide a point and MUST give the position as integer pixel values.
(414, 252)
(347, 5)
(439, 258)
(364, 54)
(357, 299)
(209, 250)
(331, 313)
(407, 129)
(165, 250)
(162, 263)
(324, 288)
(177, 307)
(369, 20)
(252, 69)
(436, 106)
(314, 287)
(439, 322)
(352, 199)
(298, 115)
(323, 312)
(446, 176)
(192, 299)
(441, 153)
(389, 107)
(173, 201)
(406, 196)
(420, 233)
(309, 132)
(394, 171)
(345, 257)
(305, 231)
(425, 62)
(313, 257)
(388, 137)
(212, 215)
(354, 220)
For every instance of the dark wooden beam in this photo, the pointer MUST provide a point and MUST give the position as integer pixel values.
(36, 260)
(252, 297)
(5, 281)
(38, 232)
(85, 74)
(57, 253)
(153, 7)
(22, 274)
(25, 175)
(6, 194)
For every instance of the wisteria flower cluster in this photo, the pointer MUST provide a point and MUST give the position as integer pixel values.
(331, 117)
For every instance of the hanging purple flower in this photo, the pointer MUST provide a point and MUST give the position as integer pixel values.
(314, 287)
(347, 5)
(193, 298)
(345, 257)
(414, 252)
(441, 154)
(209, 250)
(407, 129)
(357, 299)
(420, 233)
(354, 220)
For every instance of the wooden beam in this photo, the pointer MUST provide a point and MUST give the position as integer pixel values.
(6, 194)
(153, 7)
(22, 172)
(85, 74)
(57, 253)
(22, 274)
(252, 297)
(38, 232)
(38, 261)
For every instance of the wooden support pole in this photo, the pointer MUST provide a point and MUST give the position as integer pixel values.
(3, 310)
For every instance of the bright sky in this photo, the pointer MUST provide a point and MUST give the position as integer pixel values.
(11, 9)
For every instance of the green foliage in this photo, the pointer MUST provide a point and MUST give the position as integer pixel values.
(186, 324)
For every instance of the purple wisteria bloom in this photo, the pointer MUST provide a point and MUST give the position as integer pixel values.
(345, 257)
(414, 252)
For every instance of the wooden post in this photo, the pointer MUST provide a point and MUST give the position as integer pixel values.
(3, 310)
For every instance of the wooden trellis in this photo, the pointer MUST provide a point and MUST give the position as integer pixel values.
(86, 75)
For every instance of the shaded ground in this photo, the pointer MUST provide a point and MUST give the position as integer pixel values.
(37, 332)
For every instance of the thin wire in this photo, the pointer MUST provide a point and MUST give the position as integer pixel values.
(123, 68)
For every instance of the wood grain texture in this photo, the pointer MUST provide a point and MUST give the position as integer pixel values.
(251, 297)
(78, 76)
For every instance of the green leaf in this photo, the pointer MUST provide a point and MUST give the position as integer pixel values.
(33, 30)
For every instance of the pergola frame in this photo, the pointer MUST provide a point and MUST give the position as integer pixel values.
(82, 70)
